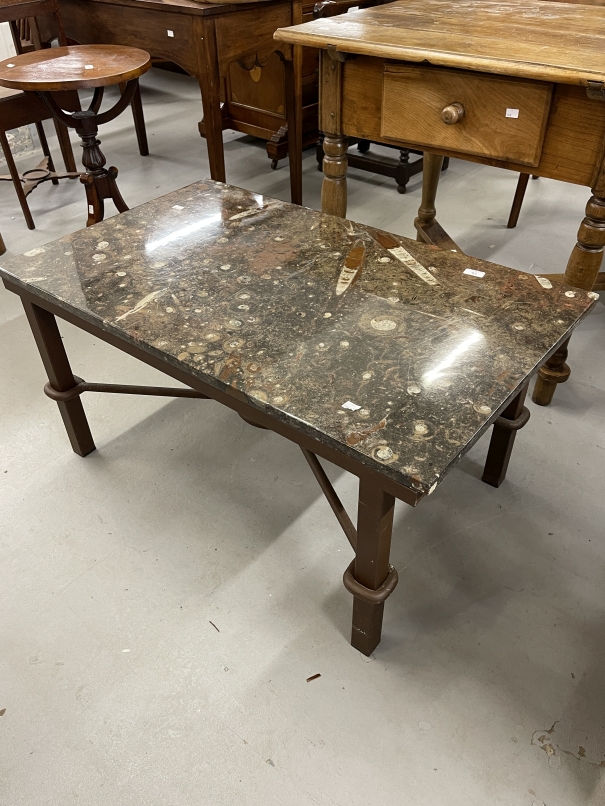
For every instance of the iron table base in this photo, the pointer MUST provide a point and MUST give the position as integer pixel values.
(369, 577)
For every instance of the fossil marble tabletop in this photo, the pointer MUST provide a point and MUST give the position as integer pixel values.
(393, 352)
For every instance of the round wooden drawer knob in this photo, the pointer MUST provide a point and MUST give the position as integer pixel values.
(452, 113)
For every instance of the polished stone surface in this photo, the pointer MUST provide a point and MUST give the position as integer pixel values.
(394, 352)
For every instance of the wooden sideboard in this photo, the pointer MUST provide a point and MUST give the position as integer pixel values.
(252, 81)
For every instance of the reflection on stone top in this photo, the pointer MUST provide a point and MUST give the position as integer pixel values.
(391, 351)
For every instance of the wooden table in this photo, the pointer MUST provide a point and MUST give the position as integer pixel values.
(387, 357)
(228, 48)
(82, 67)
(519, 85)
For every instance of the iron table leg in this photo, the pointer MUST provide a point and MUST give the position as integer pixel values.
(52, 352)
(371, 570)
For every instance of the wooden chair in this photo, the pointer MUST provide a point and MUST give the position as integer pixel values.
(34, 24)
(18, 109)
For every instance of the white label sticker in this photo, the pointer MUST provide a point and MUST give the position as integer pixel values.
(474, 273)
(91, 209)
(350, 406)
(170, 33)
(410, 261)
(88, 66)
(544, 282)
(512, 113)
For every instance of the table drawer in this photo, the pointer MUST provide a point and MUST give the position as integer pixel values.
(453, 110)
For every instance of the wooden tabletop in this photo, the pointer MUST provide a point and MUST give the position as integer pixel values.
(74, 67)
(558, 42)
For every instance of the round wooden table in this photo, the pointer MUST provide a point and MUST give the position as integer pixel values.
(82, 67)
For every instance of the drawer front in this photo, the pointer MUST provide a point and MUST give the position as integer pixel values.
(486, 115)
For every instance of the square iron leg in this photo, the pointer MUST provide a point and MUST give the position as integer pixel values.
(52, 352)
(370, 578)
(514, 417)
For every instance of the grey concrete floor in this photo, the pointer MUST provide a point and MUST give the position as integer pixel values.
(116, 688)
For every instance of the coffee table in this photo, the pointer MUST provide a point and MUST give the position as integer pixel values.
(387, 357)
(82, 67)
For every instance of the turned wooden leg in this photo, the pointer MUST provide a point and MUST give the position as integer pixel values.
(517, 201)
(514, 417)
(319, 152)
(334, 186)
(61, 378)
(428, 229)
(581, 272)
(431, 170)
(585, 260)
(370, 578)
(402, 173)
(554, 371)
